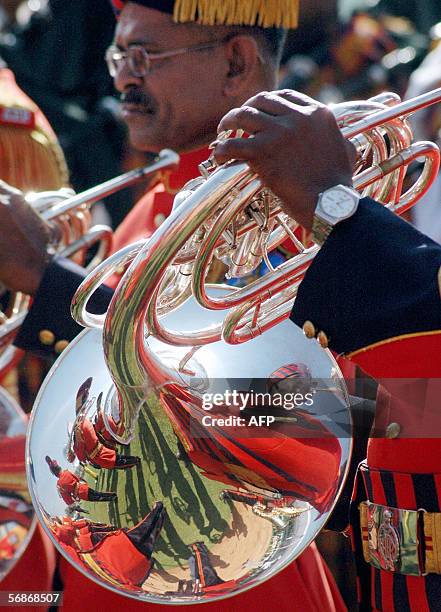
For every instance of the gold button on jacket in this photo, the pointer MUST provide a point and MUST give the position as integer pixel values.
(46, 337)
(393, 430)
(60, 346)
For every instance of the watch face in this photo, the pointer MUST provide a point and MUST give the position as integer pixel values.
(337, 203)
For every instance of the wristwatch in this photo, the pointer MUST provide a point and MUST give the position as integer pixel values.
(334, 205)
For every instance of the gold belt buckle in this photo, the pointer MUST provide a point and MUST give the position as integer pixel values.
(392, 538)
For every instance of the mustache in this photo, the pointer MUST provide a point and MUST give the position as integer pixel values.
(138, 97)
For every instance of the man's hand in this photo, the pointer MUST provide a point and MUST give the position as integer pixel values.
(24, 238)
(295, 147)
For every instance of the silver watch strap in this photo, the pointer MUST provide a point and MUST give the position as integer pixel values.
(320, 230)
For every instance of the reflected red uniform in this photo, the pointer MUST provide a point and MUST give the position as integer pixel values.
(71, 488)
(66, 531)
(16, 515)
(288, 460)
(101, 430)
(88, 448)
(116, 557)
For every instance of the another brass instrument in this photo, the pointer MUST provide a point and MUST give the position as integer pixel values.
(17, 515)
(247, 497)
(71, 214)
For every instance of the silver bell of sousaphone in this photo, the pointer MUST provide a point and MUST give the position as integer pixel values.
(192, 465)
(17, 516)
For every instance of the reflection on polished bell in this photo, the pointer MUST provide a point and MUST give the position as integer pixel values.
(229, 476)
(17, 517)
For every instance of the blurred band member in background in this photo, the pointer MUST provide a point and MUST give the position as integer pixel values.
(32, 160)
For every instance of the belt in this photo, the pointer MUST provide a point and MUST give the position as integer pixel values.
(96, 451)
(402, 541)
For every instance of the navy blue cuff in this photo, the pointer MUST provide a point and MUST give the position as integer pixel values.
(376, 277)
(49, 324)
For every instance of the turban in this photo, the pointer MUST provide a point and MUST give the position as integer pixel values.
(30, 156)
(263, 13)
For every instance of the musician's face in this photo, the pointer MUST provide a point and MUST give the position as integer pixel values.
(179, 103)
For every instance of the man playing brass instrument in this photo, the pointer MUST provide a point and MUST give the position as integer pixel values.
(159, 58)
(384, 315)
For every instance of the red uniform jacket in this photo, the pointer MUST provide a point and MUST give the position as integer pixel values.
(381, 279)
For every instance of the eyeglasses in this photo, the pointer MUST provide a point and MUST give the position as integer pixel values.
(139, 59)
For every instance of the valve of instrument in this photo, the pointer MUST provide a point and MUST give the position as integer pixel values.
(44, 200)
